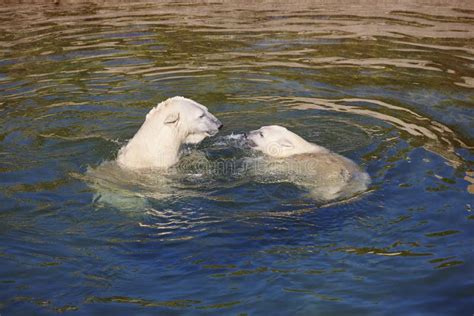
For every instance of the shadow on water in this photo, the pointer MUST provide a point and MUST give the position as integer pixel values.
(389, 85)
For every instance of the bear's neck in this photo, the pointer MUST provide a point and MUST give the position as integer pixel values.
(305, 147)
(152, 147)
(317, 149)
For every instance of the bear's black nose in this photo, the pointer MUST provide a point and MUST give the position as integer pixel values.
(221, 126)
(245, 135)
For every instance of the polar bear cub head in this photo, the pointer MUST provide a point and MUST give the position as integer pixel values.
(167, 127)
(279, 142)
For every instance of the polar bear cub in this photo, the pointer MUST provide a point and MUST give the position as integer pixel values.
(325, 174)
(168, 126)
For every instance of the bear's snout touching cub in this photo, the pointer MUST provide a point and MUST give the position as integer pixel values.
(325, 174)
(167, 127)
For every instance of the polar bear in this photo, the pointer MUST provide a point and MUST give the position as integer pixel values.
(325, 174)
(168, 126)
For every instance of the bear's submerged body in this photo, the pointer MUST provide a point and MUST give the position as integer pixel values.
(324, 174)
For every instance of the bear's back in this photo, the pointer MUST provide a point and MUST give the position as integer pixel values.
(327, 176)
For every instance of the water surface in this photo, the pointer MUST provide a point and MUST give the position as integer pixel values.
(389, 86)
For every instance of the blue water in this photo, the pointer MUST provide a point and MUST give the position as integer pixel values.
(390, 86)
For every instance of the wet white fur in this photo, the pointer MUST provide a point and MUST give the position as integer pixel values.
(325, 174)
(168, 126)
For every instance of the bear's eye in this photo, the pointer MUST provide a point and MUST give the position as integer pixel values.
(201, 116)
(261, 134)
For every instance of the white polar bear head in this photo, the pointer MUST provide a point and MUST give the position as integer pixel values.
(189, 118)
(277, 141)
(167, 127)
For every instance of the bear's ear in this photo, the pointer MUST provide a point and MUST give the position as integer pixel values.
(172, 118)
(285, 143)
